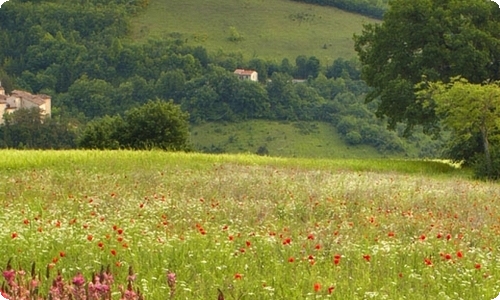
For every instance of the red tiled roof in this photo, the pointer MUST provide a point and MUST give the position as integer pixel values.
(243, 72)
(37, 99)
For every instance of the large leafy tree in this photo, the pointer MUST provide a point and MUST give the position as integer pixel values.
(156, 124)
(468, 110)
(436, 38)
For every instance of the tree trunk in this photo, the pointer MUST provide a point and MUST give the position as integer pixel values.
(487, 154)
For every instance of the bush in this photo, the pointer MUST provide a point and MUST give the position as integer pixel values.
(353, 138)
(263, 151)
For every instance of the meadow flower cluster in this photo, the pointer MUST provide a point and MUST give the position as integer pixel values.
(208, 227)
(16, 285)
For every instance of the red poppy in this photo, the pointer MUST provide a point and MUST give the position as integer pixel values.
(62, 254)
(439, 235)
(291, 259)
(287, 241)
(428, 261)
(238, 276)
(317, 287)
(330, 289)
(317, 247)
(448, 236)
(113, 252)
(120, 230)
(460, 254)
(367, 257)
(14, 235)
(248, 243)
(100, 244)
(422, 237)
(310, 236)
(447, 256)
(390, 234)
(90, 238)
(477, 266)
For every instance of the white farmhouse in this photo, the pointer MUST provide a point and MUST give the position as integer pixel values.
(21, 99)
(246, 74)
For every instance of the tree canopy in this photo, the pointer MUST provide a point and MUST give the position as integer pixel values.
(468, 110)
(156, 124)
(438, 39)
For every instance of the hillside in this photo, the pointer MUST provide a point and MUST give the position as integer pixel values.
(283, 139)
(265, 29)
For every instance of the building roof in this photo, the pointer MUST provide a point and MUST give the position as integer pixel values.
(244, 72)
(37, 99)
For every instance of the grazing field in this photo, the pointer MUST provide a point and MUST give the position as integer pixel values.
(249, 226)
(265, 29)
(285, 139)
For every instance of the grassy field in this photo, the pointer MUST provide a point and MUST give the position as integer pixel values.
(285, 139)
(269, 29)
(253, 227)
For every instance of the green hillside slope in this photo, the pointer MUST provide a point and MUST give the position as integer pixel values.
(267, 29)
(284, 139)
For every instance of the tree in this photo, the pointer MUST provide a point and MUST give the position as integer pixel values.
(438, 39)
(468, 109)
(102, 133)
(156, 124)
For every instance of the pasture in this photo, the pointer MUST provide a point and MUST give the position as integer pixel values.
(253, 227)
(271, 30)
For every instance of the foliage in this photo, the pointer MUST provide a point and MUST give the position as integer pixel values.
(468, 110)
(369, 8)
(234, 35)
(102, 133)
(26, 129)
(156, 124)
(91, 75)
(438, 39)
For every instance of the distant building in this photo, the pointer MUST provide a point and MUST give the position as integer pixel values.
(246, 74)
(21, 99)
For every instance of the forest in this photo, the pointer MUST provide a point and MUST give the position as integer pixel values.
(84, 59)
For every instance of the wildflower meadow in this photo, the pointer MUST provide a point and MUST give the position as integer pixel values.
(156, 225)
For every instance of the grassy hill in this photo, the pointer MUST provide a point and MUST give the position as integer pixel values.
(292, 139)
(267, 29)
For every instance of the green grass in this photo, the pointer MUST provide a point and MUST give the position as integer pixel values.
(388, 229)
(284, 139)
(268, 28)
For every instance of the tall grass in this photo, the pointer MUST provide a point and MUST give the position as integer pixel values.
(253, 227)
